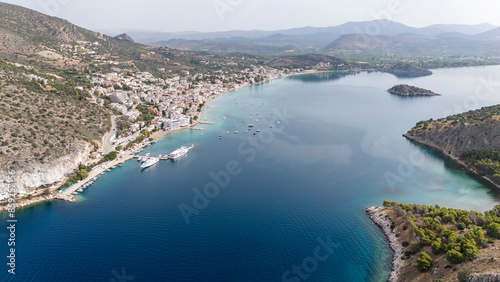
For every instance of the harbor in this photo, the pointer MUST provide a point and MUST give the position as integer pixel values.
(148, 160)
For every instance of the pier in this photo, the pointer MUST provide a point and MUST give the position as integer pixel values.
(197, 128)
(206, 122)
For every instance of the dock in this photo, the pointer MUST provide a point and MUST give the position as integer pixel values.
(206, 122)
(197, 128)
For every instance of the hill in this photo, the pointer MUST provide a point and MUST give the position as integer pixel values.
(52, 44)
(125, 37)
(46, 125)
(406, 70)
(472, 139)
(310, 61)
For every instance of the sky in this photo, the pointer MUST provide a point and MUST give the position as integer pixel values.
(222, 15)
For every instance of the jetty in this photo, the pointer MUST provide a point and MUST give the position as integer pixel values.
(206, 122)
(197, 128)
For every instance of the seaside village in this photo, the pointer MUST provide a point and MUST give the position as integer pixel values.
(170, 104)
(174, 102)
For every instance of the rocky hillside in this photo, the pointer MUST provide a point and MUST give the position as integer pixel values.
(443, 244)
(45, 125)
(26, 36)
(472, 138)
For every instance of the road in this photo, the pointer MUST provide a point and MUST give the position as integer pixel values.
(108, 147)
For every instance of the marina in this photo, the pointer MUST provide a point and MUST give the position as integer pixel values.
(148, 161)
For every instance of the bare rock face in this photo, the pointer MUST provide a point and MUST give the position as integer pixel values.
(457, 139)
(30, 176)
(486, 277)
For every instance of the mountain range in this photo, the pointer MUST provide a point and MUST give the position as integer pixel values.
(382, 35)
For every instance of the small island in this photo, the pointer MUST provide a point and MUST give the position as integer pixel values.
(407, 90)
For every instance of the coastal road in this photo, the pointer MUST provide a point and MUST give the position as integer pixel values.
(107, 142)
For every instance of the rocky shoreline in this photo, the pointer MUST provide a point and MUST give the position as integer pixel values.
(23, 203)
(377, 215)
(454, 159)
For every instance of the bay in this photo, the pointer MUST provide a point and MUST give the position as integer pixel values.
(337, 149)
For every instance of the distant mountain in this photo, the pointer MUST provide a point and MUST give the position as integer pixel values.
(310, 38)
(462, 28)
(415, 45)
(386, 27)
(493, 34)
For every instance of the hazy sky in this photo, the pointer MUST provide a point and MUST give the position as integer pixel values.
(220, 15)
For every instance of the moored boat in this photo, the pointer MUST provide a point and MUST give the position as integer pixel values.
(150, 162)
(179, 152)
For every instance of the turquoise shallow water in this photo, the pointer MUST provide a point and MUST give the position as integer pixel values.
(294, 187)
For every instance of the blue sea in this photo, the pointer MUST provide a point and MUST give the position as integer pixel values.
(285, 204)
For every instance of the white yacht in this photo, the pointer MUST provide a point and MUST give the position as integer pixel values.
(150, 162)
(178, 153)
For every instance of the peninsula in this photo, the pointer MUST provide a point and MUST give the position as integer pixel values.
(435, 243)
(407, 90)
(403, 69)
(470, 139)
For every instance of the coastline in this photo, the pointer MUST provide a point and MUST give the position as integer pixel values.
(24, 203)
(454, 159)
(378, 216)
(125, 156)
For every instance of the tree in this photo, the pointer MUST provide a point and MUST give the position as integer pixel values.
(437, 246)
(493, 229)
(466, 220)
(454, 256)
(46, 191)
(111, 156)
(424, 262)
(82, 173)
(470, 250)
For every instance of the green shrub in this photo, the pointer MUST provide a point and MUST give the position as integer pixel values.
(424, 262)
(454, 257)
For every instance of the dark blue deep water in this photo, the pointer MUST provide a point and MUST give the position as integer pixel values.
(294, 188)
